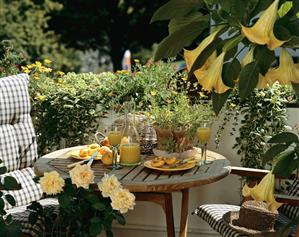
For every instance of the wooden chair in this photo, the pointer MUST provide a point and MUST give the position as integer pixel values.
(18, 149)
(213, 213)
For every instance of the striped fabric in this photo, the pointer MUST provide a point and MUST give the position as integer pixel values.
(20, 214)
(29, 192)
(288, 210)
(17, 136)
(18, 149)
(213, 213)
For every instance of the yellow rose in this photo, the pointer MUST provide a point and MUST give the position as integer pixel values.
(51, 183)
(108, 185)
(82, 176)
(122, 200)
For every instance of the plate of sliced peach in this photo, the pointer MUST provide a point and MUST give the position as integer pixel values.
(87, 151)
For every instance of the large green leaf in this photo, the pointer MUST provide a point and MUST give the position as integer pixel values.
(296, 6)
(120, 218)
(264, 57)
(273, 152)
(10, 183)
(3, 170)
(10, 199)
(218, 100)
(173, 43)
(248, 79)
(284, 137)
(296, 88)
(95, 227)
(230, 72)
(233, 42)
(180, 22)
(293, 42)
(176, 8)
(286, 164)
(261, 6)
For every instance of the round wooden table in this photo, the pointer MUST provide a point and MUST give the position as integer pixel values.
(148, 184)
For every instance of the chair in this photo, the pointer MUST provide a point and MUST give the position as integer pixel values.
(18, 149)
(213, 213)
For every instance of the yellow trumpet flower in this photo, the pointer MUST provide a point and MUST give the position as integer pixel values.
(264, 191)
(286, 72)
(262, 31)
(264, 81)
(191, 55)
(212, 77)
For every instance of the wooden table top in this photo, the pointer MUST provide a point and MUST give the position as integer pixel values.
(140, 178)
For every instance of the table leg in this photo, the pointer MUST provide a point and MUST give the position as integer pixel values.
(165, 201)
(184, 213)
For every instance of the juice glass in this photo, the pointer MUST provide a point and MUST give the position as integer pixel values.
(203, 134)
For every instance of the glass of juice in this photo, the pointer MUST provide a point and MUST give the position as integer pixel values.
(203, 135)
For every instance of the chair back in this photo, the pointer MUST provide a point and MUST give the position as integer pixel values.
(289, 210)
(18, 147)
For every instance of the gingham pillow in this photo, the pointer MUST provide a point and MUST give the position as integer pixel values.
(30, 190)
(17, 137)
(288, 210)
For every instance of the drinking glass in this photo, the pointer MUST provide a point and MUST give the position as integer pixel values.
(114, 134)
(203, 134)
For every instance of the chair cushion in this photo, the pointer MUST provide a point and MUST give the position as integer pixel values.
(212, 214)
(30, 190)
(21, 215)
(288, 210)
(17, 137)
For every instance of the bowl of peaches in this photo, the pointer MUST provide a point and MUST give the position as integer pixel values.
(104, 153)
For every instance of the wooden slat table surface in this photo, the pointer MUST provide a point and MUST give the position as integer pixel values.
(148, 183)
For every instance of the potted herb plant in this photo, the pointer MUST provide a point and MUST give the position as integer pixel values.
(175, 124)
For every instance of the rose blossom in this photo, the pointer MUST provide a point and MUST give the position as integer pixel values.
(82, 176)
(51, 183)
(108, 184)
(122, 200)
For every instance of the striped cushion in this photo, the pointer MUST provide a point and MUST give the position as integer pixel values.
(20, 214)
(17, 137)
(288, 210)
(29, 192)
(212, 214)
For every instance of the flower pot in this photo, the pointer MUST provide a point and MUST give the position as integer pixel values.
(172, 142)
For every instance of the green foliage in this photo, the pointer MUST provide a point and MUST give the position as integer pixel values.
(283, 153)
(82, 212)
(263, 115)
(8, 226)
(230, 15)
(25, 24)
(65, 106)
(10, 59)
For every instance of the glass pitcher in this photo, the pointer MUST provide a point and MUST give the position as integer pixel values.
(130, 141)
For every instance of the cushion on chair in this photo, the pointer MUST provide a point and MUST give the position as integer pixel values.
(212, 214)
(288, 210)
(30, 190)
(21, 215)
(17, 140)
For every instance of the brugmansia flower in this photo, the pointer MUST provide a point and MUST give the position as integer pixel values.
(212, 78)
(262, 31)
(264, 81)
(287, 71)
(264, 191)
(191, 55)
